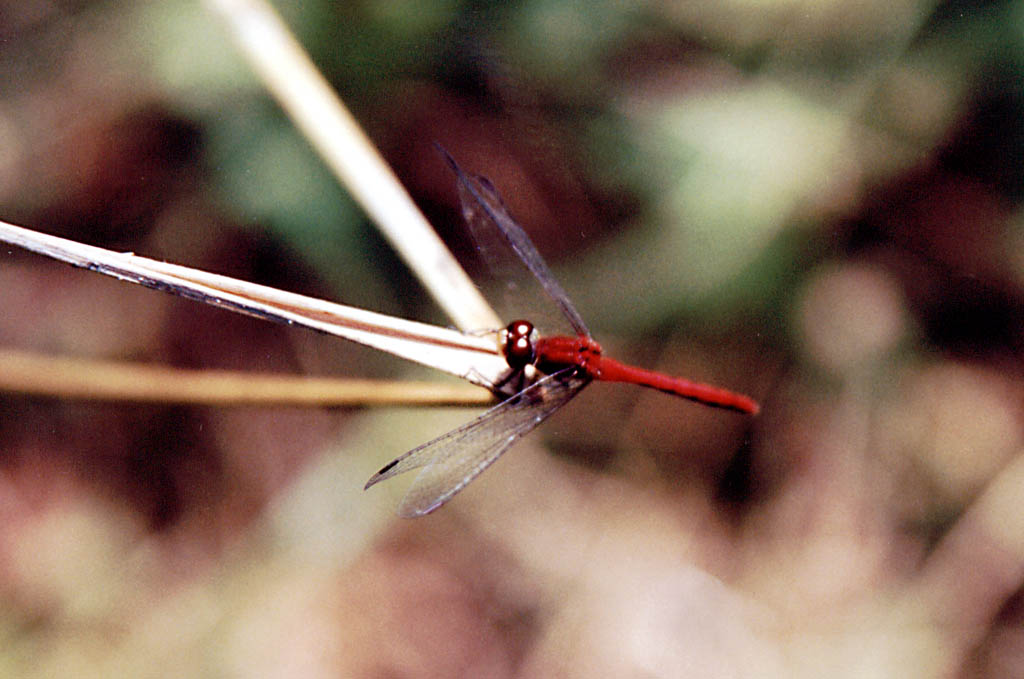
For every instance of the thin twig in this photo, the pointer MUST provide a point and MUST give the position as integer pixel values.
(473, 357)
(290, 75)
(61, 377)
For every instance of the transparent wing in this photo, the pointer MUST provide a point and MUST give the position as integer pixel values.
(453, 460)
(488, 218)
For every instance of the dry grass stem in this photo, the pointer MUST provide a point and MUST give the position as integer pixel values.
(295, 82)
(473, 357)
(60, 377)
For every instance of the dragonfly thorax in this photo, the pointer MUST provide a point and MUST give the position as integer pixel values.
(519, 344)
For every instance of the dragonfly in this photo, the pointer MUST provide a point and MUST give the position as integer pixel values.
(544, 372)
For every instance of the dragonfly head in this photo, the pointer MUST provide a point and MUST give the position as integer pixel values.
(519, 344)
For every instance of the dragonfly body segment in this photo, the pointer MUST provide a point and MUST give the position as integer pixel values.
(585, 353)
(544, 372)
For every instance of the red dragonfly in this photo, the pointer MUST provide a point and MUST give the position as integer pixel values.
(552, 370)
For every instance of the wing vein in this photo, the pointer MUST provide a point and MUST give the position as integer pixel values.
(454, 459)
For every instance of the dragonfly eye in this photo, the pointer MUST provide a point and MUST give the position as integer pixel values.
(518, 344)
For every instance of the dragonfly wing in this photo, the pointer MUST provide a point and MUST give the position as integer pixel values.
(485, 212)
(454, 459)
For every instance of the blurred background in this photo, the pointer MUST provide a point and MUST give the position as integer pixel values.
(816, 203)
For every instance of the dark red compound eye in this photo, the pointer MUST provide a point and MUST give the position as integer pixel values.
(519, 344)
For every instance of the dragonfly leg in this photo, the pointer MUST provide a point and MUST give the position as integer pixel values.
(482, 332)
(516, 380)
